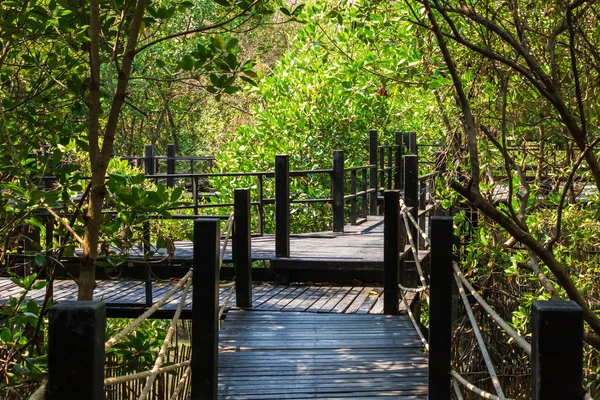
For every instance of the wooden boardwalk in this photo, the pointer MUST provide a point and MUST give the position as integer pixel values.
(275, 355)
(309, 298)
(358, 243)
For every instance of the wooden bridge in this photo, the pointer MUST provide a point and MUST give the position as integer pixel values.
(253, 340)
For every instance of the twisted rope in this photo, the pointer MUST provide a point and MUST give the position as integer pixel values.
(415, 324)
(480, 342)
(166, 343)
(415, 256)
(405, 211)
(119, 336)
(182, 381)
(138, 375)
(475, 389)
(227, 232)
(511, 332)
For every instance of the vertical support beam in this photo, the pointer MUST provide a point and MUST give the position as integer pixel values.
(76, 351)
(205, 310)
(282, 205)
(170, 164)
(410, 141)
(195, 189)
(242, 259)
(411, 190)
(398, 161)
(147, 272)
(373, 176)
(364, 188)
(353, 190)
(261, 207)
(390, 166)
(440, 308)
(149, 159)
(337, 180)
(422, 205)
(382, 168)
(557, 351)
(391, 252)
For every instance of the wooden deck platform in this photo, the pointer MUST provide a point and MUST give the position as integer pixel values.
(358, 243)
(275, 355)
(265, 296)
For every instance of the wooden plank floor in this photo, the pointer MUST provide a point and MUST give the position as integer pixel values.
(275, 355)
(265, 296)
(362, 242)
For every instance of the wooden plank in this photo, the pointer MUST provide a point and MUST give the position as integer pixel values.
(366, 306)
(295, 355)
(335, 299)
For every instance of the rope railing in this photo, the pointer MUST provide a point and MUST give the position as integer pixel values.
(479, 338)
(405, 211)
(151, 375)
(166, 343)
(125, 331)
(495, 317)
(415, 252)
(459, 277)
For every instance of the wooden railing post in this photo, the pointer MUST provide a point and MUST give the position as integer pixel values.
(282, 205)
(242, 259)
(149, 159)
(557, 351)
(205, 310)
(422, 206)
(410, 141)
(337, 179)
(147, 271)
(411, 188)
(373, 176)
(391, 252)
(170, 164)
(440, 308)
(76, 351)
(398, 161)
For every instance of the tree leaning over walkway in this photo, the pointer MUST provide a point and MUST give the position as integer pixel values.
(552, 54)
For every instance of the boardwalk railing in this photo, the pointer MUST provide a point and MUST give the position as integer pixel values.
(556, 351)
(76, 348)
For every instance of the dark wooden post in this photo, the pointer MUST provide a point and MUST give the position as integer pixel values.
(410, 141)
(170, 164)
(557, 351)
(422, 206)
(391, 252)
(353, 190)
(76, 351)
(411, 190)
(147, 271)
(382, 168)
(260, 207)
(373, 177)
(364, 188)
(337, 180)
(149, 160)
(398, 161)
(440, 308)
(205, 310)
(282, 206)
(242, 259)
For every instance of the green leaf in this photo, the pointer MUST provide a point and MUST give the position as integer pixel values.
(231, 44)
(5, 335)
(176, 194)
(40, 259)
(187, 63)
